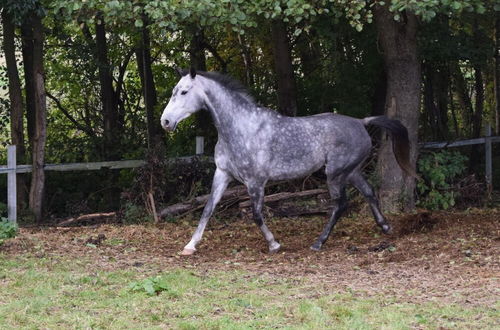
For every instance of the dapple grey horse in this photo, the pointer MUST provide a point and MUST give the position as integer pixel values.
(256, 144)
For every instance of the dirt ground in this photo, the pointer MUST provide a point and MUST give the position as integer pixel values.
(441, 256)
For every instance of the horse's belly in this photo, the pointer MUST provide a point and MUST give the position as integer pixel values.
(295, 168)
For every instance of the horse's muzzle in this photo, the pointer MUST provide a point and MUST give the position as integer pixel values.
(167, 125)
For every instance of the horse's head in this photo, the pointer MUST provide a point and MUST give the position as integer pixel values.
(187, 98)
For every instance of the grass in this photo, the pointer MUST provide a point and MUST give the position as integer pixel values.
(58, 294)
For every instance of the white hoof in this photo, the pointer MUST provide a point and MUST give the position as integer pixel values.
(187, 252)
(274, 247)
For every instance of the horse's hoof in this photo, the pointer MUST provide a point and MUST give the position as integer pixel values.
(275, 247)
(316, 247)
(187, 252)
(387, 229)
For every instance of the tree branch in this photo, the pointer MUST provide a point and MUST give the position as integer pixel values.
(69, 116)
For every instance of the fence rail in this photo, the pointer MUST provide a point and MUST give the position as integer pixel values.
(12, 169)
(487, 140)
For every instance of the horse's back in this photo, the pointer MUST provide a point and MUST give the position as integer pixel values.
(301, 145)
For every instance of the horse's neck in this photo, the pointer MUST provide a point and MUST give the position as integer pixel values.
(235, 120)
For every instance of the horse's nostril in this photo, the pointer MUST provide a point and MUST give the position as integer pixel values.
(166, 122)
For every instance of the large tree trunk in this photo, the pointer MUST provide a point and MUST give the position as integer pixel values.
(144, 62)
(399, 44)
(16, 102)
(497, 72)
(285, 80)
(38, 174)
(108, 96)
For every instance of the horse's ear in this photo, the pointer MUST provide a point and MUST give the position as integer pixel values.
(179, 71)
(192, 72)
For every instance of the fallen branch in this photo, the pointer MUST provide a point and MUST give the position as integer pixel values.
(237, 195)
(286, 195)
(200, 201)
(153, 207)
(85, 217)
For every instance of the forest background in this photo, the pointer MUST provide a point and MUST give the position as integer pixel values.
(86, 81)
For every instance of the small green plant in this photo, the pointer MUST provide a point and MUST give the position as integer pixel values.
(439, 171)
(153, 286)
(8, 229)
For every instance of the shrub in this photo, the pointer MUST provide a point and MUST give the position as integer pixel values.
(440, 171)
(8, 230)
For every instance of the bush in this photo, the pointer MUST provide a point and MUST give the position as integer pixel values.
(8, 230)
(440, 172)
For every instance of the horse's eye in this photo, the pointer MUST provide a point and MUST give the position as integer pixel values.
(184, 92)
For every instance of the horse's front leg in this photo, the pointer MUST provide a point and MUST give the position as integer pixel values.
(256, 193)
(219, 185)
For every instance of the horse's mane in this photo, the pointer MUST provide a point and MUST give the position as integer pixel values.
(227, 82)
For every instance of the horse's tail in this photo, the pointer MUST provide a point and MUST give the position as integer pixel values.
(400, 142)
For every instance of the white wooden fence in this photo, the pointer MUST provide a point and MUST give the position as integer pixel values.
(12, 169)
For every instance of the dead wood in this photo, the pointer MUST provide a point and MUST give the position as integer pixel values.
(286, 195)
(197, 203)
(85, 217)
(237, 195)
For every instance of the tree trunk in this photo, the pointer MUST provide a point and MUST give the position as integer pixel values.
(463, 96)
(38, 174)
(197, 50)
(27, 51)
(198, 61)
(378, 97)
(497, 72)
(477, 115)
(430, 110)
(478, 112)
(398, 41)
(436, 79)
(442, 79)
(247, 60)
(144, 62)
(108, 95)
(285, 80)
(16, 102)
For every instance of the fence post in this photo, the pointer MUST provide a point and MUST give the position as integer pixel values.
(200, 145)
(488, 158)
(11, 184)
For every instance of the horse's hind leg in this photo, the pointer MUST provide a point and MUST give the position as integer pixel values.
(366, 189)
(256, 193)
(336, 187)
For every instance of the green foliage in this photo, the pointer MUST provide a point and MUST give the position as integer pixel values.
(154, 286)
(439, 171)
(8, 229)
(133, 213)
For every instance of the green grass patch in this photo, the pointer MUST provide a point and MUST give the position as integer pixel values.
(56, 293)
